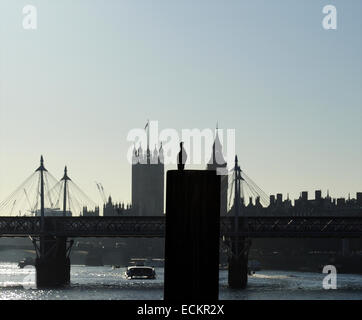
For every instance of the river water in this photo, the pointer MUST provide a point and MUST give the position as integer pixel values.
(105, 283)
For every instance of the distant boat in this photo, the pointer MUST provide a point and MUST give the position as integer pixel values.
(26, 262)
(253, 265)
(140, 272)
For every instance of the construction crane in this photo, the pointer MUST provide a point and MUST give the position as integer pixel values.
(101, 191)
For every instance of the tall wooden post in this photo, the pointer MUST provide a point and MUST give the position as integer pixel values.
(192, 235)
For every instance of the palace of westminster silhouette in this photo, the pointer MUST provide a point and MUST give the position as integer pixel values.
(148, 184)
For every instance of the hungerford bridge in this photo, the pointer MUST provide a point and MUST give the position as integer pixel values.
(49, 233)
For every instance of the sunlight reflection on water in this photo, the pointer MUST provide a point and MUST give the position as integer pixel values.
(103, 283)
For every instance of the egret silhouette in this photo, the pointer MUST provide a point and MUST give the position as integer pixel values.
(182, 157)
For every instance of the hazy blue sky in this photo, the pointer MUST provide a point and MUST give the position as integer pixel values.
(93, 70)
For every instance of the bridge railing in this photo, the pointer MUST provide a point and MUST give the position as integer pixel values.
(112, 226)
(320, 227)
(10, 226)
(254, 227)
(84, 226)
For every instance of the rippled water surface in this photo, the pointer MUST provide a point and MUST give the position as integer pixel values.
(105, 283)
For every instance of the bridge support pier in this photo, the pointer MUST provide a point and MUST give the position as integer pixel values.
(53, 263)
(238, 264)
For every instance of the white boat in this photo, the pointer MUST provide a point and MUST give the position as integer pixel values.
(140, 272)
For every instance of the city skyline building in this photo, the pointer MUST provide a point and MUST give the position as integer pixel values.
(217, 162)
(148, 174)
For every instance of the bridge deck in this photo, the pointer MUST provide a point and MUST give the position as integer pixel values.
(148, 227)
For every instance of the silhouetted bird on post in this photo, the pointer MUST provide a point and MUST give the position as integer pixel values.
(182, 157)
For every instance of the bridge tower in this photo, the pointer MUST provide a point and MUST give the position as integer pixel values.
(239, 246)
(65, 179)
(52, 262)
